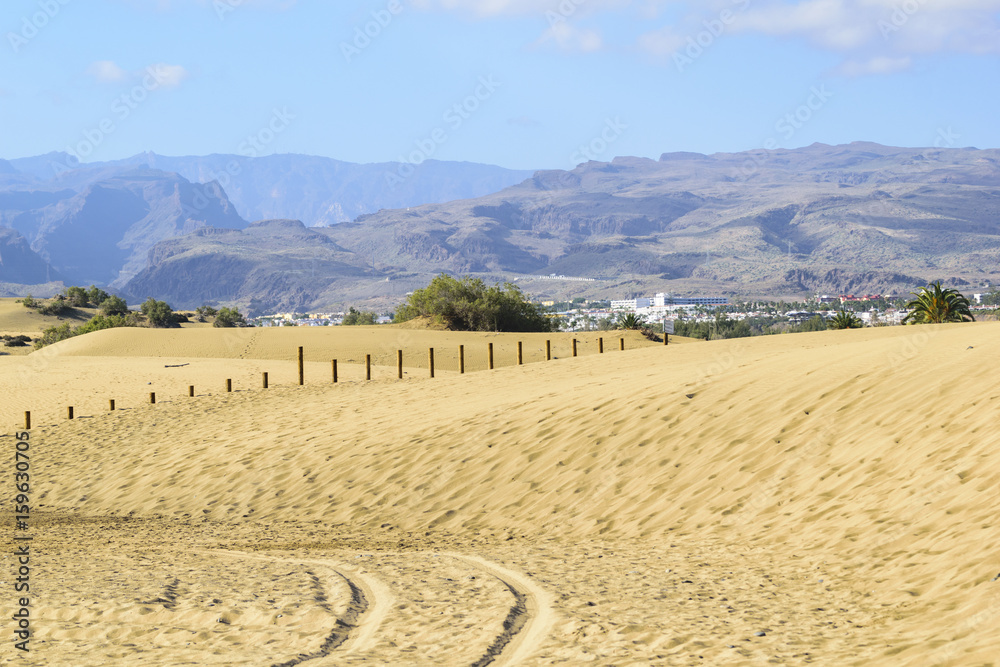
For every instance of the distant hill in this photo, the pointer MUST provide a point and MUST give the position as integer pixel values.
(19, 263)
(96, 222)
(270, 264)
(320, 191)
(856, 218)
(103, 234)
(861, 217)
(317, 190)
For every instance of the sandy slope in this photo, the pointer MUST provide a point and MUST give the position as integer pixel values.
(836, 492)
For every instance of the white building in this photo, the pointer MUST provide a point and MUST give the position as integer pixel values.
(631, 304)
(663, 299)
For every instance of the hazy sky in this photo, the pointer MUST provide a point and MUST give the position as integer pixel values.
(519, 83)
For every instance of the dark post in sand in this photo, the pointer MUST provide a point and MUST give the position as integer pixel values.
(368, 367)
(430, 360)
(399, 364)
(111, 405)
(334, 363)
(548, 350)
(491, 356)
(461, 358)
(264, 380)
(520, 354)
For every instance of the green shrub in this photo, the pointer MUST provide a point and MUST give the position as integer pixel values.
(54, 335)
(55, 307)
(114, 305)
(99, 322)
(229, 318)
(158, 313)
(76, 297)
(358, 317)
(97, 296)
(15, 341)
(205, 311)
(469, 305)
(30, 302)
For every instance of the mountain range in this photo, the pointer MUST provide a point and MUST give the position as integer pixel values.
(852, 218)
(97, 222)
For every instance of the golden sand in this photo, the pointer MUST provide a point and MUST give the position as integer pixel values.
(824, 498)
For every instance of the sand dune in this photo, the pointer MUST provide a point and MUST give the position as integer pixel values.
(834, 491)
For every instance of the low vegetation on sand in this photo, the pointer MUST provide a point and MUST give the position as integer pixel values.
(356, 317)
(470, 305)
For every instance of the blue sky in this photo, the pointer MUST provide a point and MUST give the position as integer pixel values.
(520, 83)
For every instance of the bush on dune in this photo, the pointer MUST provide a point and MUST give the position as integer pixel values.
(470, 305)
(227, 318)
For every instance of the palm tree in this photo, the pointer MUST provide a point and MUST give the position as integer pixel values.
(934, 305)
(629, 321)
(845, 320)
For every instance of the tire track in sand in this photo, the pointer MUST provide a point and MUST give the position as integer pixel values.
(369, 603)
(528, 622)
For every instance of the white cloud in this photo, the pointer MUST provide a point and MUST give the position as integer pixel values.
(168, 76)
(874, 36)
(876, 65)
(662, 43)
(571, 38)
(166, 5)
(106, 71)
(491, 8)
(164, 76)
(885, 26)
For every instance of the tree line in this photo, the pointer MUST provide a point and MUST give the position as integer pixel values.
(113, 312)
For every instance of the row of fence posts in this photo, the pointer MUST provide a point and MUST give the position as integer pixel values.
(368, 369)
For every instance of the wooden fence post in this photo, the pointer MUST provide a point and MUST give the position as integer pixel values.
(430, 359)
(264, 380)
(665, 337)
(461, 358)
(520, 354)
(600, 346)
(191, 390)
(621, 344)
(399, 364)
(368, 367)
(334, 363)
(229, 386)
(302, 370)
(69, 412)
(111, 405)
(574, 347)
(152, 398)
(548, 350)
(27, 420)
(491, 356)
